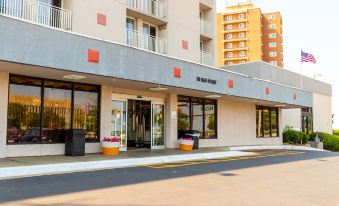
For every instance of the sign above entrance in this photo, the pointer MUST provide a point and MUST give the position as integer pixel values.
(206, 80)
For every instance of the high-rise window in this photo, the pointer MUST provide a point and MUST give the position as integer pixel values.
(267, 121)
(271, 17)
(229, 18)
(196, 115)
(229, 54)
(242, 53)
(241, 26)
(271, 26)
(242, 35)
(241, 44)
(274, 63)
(272, 44)
(41, 111)
(229, 45)
(272, 54)
(229, 26)
(272, 35)
(241, 16)
(229, 36)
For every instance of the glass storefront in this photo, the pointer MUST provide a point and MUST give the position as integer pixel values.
(307, 120)
(198, 116)
(41, 111)
(158, 125)
(119, 122)
(267, 121)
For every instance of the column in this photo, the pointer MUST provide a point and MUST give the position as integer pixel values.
(4, 82)
(106, 111)
(171, 121)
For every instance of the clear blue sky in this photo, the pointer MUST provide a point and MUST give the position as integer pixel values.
(312, 26)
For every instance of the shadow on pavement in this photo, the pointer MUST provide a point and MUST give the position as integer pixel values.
(42, 186)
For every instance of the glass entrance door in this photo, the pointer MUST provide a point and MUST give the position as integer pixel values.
(119, 126)
(158, 126)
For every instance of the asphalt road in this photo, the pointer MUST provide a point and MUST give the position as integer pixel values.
(270, 178)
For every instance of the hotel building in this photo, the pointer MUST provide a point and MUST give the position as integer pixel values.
(140, 70)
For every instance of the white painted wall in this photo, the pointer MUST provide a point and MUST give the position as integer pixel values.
(291, 117)
(322, 113)
(4, 82)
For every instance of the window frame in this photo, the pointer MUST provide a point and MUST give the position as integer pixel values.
(42, 91)
(203, 115)
(262, 108)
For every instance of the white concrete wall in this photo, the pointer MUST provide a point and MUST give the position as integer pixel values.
(85, 18)
(4, 82)
(322, 113)
(291, 117)
(171, 108)
(237, 126)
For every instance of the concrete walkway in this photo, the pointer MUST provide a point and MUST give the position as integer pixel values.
(47, 165)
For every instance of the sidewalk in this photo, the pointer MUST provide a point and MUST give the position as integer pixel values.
(47, 165)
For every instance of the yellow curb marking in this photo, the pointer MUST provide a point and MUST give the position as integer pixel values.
(189, 163)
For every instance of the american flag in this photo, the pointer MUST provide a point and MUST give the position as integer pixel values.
(307, 57)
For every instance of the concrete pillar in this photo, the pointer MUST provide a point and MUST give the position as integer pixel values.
(4, 82)
(171, 121)
(106, 111)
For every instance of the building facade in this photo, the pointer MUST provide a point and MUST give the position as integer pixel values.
(129, 69)
(245, 34)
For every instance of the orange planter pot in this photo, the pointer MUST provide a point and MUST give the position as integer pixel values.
(110, 148)
(186, 145)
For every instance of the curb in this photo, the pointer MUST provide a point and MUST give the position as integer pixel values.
(51, 169)
(275, 147)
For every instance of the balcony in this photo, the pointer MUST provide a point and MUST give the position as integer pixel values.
(205, 5)
(235, 58)
(236, 49)
(37, 12)
(235, 39)
(206, 58)
(235, 21)
(235, 30)
(205, 29)
(146, 42)
(153, 11)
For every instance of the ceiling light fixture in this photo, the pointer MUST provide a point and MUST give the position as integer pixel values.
(158, 88)
(213, 96)
(74, 77)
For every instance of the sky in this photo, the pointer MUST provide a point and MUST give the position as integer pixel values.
(312, 26)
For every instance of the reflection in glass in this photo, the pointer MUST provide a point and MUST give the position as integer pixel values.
(259, 123)
(274, 122)
(57, 111)
(210, 126)
(119, 121)
(158, 125)
(197, 116)
(267, 123)
(24, 109)
(183, 115)
(86, 113)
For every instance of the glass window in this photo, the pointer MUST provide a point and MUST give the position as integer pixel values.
(86, 111)
(307, 120)
(24, 110)
(267, 122)
(196, 115)
(57, 111)
(28, 111)
(119, 121)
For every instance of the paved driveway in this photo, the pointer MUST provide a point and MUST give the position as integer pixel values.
(272, 178)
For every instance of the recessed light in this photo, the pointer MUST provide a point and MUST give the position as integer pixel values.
(213, 96)
(159, 88)
(74, 77)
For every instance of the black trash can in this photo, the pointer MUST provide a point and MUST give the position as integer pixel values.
(195, 135)
(75, 142)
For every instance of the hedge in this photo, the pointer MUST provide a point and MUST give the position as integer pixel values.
(331, 142)
(336, 132)
(291, 136)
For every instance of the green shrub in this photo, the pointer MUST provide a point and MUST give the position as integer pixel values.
(291, 136)
(331, 142)
(336, 132)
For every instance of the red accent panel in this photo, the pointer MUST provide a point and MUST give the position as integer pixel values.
(101, 19)
(230, 83)
(185, 44)
(294, 96)
(177, 72)
(267, 90)
(93, 56)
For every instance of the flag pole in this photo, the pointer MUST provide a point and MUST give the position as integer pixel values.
(301, 73)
